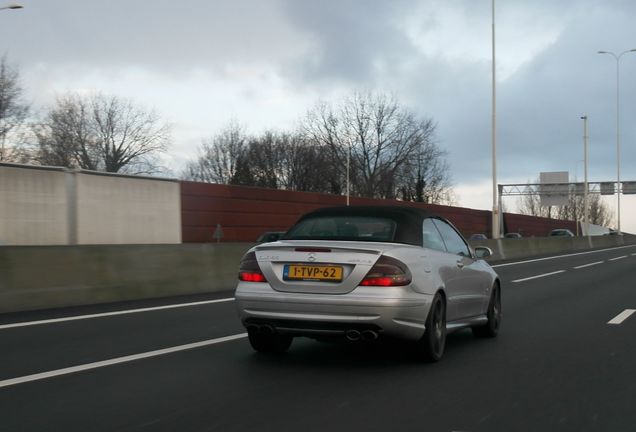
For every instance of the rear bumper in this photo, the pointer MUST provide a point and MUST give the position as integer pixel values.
(396, 312)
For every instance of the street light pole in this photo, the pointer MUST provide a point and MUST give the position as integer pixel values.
(348, 170)
(586, 190)
(495, 207)
(618, 135)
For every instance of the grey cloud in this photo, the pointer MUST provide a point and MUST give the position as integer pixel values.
(161, 34)
(316, 45)
(351, 38)
(541, 106)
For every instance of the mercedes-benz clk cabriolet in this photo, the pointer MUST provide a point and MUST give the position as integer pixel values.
(361, 273)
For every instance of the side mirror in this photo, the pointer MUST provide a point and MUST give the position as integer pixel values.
(482, 252)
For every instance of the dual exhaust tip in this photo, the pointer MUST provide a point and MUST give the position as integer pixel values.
(364, 335)
(264, 329)
(351, 334)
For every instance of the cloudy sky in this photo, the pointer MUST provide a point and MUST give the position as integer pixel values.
(202, 63)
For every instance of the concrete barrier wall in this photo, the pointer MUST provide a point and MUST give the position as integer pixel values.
(506, 249)
(42, 277)
(33, 206)
(114, 209)
(56, 206)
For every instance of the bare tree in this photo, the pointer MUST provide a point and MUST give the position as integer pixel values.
(425, 178)
(392, 150)
(306, 167)
(104, 133)
(598, 212)
(284, 160)
(393, 153)
(218, 156)
(13, 109)
(263, 162)
(531, 205)
(65, 137)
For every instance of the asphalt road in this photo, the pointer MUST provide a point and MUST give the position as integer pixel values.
(558, 365)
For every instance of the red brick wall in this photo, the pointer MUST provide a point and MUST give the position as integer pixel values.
(532, 226)
(246, 212)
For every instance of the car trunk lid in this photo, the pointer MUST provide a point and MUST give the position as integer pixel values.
(317, 267)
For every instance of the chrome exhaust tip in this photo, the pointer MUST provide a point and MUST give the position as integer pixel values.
(369, 335)
(352, 335)
(267, 329)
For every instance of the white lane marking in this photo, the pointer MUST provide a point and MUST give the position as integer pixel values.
(618, 319)
(539, 276)
(118, 360)
(589, 265)
(634, 254)
(617, 258)
(105, 314)
(561, 256)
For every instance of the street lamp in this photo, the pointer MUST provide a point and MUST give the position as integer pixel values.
(12, 6)
(495, 206)
(348, 171)
(586, 185)
(618, 139)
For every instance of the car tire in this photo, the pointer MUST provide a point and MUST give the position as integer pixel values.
(431, 346)
(272, 343)
(491, 328)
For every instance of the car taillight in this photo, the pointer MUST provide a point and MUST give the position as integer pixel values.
(387, 271)
(249, 271)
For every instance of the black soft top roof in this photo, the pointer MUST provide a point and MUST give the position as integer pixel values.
(408, 219)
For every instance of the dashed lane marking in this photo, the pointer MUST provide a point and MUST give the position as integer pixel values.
(106, 314)
(539, 276)
(562, 256)
(618, 319)
(118, 360)
(589, 265)
(617, 258)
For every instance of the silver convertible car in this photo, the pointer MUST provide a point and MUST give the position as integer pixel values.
(367, 272)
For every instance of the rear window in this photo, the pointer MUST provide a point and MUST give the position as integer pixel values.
(358, 228)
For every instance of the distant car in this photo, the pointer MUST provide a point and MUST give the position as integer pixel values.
(360, 273)
(561, 232)
(513, 235)
(478, 237)
(269, 236)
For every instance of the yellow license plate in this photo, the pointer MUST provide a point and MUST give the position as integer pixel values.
(327, 273)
